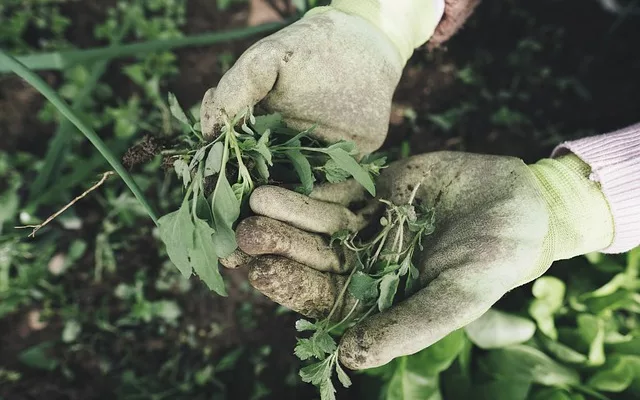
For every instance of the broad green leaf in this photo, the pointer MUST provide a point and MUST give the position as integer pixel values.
(204, 259)
(213, 162)
(177, 111)
(349, 164)
(496, 329)
(552, 394)
(549, 295)
(226, 210)
(342, 376)
(439, 356)
(563, 352)
(38, 357)
(527, 364)
(363, 287)
(407, 384)
(388, 288)
(302, 168)
(176, 231)
(614, 376)
(501, 389)
(591, 329)
(318, 345)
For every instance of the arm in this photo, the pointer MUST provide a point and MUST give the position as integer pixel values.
(614, 163)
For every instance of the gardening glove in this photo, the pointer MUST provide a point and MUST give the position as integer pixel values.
(498, 224)
(336, 68)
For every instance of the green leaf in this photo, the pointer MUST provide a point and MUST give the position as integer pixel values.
(502, 389)
(318, 346)
(183, 171)
(615, 376)
(347, 146)
(342, 376)
(496, 329)
(268, 122)
(388, 288)
(204, 259)
(327, 391)
(304, 325)
(591, 329)
(305, 349)
(226, 210)
(549, 295)
(408, 384)
(213, 162)
(363, 287)
(563, 352)
(302, 168)
(345, 161)
(177, 111)
(324, 342)
(38, 357)
(261, 166)
(439, 356)
(316, 373)
(552, 394)
(261, 147)
(333, 173)
(176, 231)
(527, 364)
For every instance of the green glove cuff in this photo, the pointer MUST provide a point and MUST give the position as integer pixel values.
(407, 23)
(580, 218)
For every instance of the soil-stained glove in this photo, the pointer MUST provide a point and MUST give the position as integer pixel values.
(499, 224)
(337, 67)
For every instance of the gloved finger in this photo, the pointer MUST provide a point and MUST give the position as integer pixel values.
(261, 235)
(236, 259)
(343, 193)
(304, 212)
(300, 288)
(244, 85)
(454, 299)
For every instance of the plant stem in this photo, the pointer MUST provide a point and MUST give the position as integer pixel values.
(51, 95)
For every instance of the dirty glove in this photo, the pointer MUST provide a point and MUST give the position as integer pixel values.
(337, 67)
(499, 224)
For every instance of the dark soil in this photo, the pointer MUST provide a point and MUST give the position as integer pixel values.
(562, 69)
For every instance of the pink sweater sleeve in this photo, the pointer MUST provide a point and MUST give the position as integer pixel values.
(614, 159)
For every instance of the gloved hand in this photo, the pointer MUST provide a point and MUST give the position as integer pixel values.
(337, 67)
(499, 224)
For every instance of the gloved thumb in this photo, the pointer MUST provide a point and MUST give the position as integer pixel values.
(245, 84)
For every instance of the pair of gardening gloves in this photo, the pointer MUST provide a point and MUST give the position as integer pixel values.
(499, 223)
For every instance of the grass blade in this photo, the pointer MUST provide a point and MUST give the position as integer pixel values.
(41, 86)
(58, 146)
(64, 59)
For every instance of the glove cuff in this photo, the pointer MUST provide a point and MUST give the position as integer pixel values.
(407, 23)
(580, 217)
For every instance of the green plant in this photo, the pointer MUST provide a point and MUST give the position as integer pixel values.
(219, 175)
(378, 267)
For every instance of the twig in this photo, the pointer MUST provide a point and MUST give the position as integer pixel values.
(53, 216)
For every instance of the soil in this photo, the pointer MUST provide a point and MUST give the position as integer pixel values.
(591, 85)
